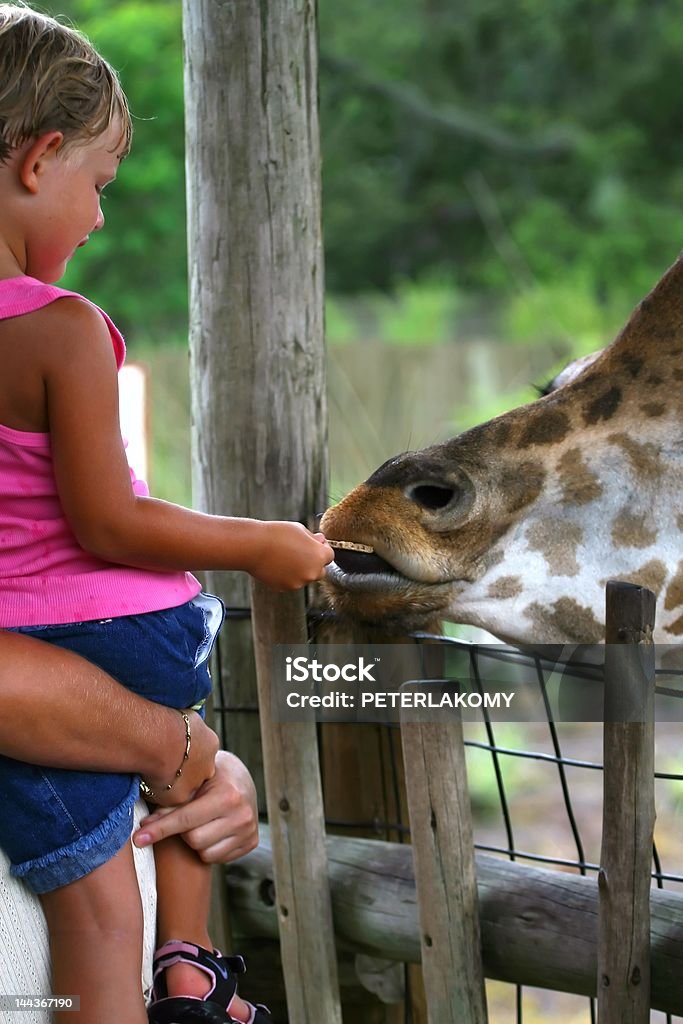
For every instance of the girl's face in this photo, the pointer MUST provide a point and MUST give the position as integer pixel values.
(69, 199)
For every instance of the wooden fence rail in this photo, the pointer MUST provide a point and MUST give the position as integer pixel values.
(539, 927)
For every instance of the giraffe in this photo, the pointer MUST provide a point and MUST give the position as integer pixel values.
(516, 525)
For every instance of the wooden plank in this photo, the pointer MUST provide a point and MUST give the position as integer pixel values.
(443, 850)
(363, 782)
(539, 927)
(628, 808)
(295, 813)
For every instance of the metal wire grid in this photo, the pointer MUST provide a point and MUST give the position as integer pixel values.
(388, 739)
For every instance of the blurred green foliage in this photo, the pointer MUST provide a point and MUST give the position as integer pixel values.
(529, 154)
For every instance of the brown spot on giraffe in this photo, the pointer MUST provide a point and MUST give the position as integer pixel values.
(505, 587)
(629, 531)
(651, 575)
(674, 592)
(677, 373)
(603, 407)
(653, 409)
(557, 541)
(492, 558)
(546, 427)
(522, 485)
(498, 432)
(585, 628)
(676, 628)
(579, 484)
(644, 457)
(632, 363)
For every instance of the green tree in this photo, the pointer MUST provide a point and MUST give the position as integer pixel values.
(136, 267)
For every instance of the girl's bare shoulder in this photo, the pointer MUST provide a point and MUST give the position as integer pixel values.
(32, 348)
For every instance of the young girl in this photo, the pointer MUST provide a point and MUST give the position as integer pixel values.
(88, 560)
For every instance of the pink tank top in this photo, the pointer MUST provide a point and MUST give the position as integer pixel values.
(45, 576)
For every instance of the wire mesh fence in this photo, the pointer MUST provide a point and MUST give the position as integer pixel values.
(535, 789)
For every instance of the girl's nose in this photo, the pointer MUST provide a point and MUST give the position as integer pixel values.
(99, 223)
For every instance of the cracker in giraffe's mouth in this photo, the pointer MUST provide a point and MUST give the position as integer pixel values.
(354, 561)
(350, 545)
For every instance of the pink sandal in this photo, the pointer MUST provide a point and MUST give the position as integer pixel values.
(214, 1007)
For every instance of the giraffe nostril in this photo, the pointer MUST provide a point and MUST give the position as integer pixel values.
(431, 496)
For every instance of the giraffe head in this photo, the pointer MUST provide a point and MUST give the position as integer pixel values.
(516, 525)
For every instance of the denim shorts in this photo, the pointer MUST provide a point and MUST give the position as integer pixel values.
(57, 825)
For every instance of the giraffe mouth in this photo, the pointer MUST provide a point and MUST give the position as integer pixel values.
(354, 569)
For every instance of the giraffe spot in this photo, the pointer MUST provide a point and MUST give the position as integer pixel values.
(521, 485)
(674, 592)
(655, 380)
(557, 541)
(632, 363)
(603, 407)
(505, 587)
(676, 628)
(579, 484)
(651, 575)
(644, 456)
(574, 622)
(630, 531)
(653, 409)
(492, 558)
(498, 431)
(547, 426)
(677, 373)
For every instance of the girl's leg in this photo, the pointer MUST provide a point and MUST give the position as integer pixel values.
(95, 927)
(183, 895)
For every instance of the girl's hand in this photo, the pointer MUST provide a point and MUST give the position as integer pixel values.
(289, 556)
(220, 823)
(199, 767)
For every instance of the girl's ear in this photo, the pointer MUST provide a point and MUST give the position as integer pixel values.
(37, 157)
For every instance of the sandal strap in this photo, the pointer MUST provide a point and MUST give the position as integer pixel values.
(262, 1015)
(221, 970)
(215, 1005)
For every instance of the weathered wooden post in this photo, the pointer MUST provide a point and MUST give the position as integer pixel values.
(445, 874)
(256, 285)
(628, 808)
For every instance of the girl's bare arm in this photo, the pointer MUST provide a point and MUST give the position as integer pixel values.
(92, 475)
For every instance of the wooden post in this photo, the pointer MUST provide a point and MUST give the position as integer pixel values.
(628, 809)
(297, 826)
(256, 294)
(443, 850)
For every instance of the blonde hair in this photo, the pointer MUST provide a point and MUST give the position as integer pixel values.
(53, 79)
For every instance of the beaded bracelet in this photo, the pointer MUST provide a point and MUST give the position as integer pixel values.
(146, 790)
